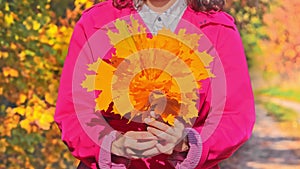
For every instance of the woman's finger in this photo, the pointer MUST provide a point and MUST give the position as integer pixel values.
(130, 152)
(178, 126)
(140, 135)
(142, 146)
(166, 149)
(151, 152)
(133, 154)
(159, 125)
(161, 134)
(128, 142)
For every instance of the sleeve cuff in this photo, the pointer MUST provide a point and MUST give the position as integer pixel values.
(196, 153)
(105, 156)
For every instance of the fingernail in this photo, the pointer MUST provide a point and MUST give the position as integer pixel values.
(152, 113)
(147, 120)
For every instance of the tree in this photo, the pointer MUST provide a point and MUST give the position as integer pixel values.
(281, 52)
(33, 48)
(34, 43)
(248, 15)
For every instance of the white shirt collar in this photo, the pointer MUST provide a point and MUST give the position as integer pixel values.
(168, 19)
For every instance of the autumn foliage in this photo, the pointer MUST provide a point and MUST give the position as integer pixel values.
(34, 42)
(281, 51)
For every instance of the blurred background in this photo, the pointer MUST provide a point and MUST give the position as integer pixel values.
(34, 39)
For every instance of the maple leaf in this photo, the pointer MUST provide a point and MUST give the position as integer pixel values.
(100, 81)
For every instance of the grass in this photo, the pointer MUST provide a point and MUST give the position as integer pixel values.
(289, 94)
(280, 113)
(287, 118)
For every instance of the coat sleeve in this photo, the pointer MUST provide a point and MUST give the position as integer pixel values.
(94, 153)
(221, 134)
(238, 117)
(73, 135)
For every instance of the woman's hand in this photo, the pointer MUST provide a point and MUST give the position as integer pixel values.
(170, 138)
(135, 144)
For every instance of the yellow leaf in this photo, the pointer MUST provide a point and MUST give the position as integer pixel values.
(52, 30)
(20, 110)
(45, 121)
(22, 98)
(3, 55)
(205, 58)
(19, 149)
(3, 145)
(102, 81)
(25, 124)
(136, 27)
(13, 46)
(49, 98)
(36, 112)
(170, 119)
(7, 7)
(79, 2)
(124, 36)
(1, 90)
(22, 56)
(95, 66)
(27, 24)
(9, 19)
(7, 71)
(36, 25)
(89, 83)
(104, 99)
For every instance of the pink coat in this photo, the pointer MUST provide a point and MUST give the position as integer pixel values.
(218, 131)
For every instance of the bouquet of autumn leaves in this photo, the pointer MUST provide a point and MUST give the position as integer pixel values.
(158, 73)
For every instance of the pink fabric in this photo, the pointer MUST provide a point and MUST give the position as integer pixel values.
(213, 144)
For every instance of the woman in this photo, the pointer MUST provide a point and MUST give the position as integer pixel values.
(212, 138)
